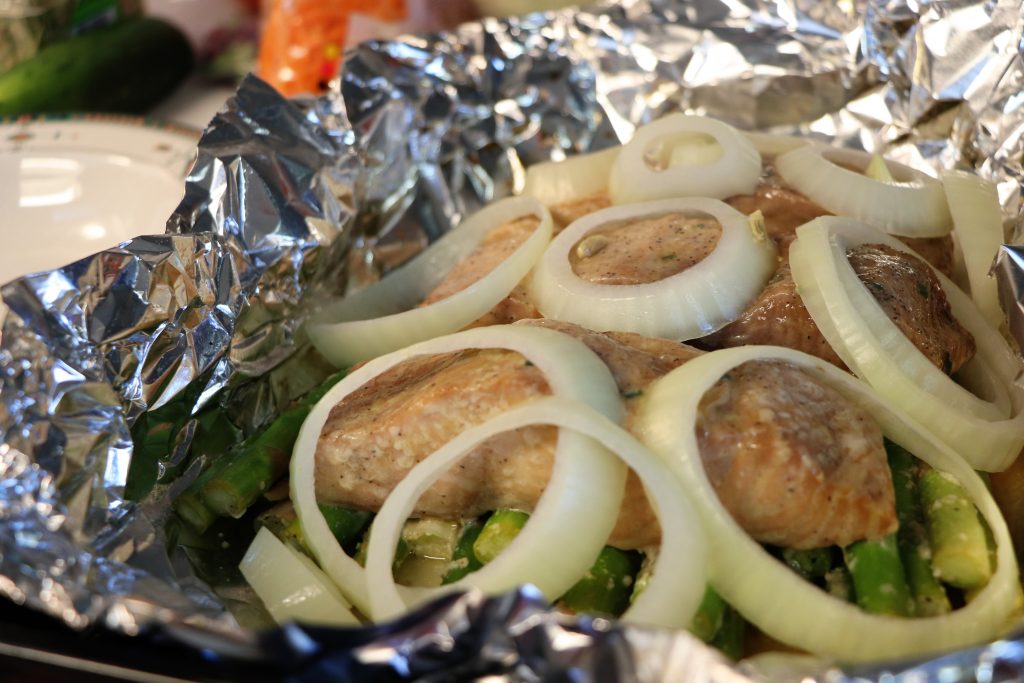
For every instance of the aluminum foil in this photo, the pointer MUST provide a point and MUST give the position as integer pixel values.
(290, 201)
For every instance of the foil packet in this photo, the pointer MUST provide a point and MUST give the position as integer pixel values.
(292, 201)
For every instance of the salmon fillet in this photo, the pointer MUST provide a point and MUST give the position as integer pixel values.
(903, 285)
(496, 246)
(647, 249)
(795, 463)
(785, 210)
(375, 436)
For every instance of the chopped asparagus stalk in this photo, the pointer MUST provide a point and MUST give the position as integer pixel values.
(643, 576)
(930, 598)
(707, 622)
(193, 510)
(732, 634)
(464, 560)
(960, 554)
(607, 587)
(346, 524)
(237, 479)
(838, 584)
(254, 467)
(879, 582)
(430, 553)
(433, 538)
(281, 521)
(810, 563)
(401, 550)
(499, 530)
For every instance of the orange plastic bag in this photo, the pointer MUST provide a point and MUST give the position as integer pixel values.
(302, 40)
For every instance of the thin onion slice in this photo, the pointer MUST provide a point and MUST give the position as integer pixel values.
(770, 145)
(291, 587)
(689, 304)
(987, 433)
(771, 595)
(380, 318)
(678, 580)
(913, 205)
(596, 477)
(737, 168)
(583, 175)
(978, 219)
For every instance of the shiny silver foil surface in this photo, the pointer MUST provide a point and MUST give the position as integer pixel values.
(291, 201)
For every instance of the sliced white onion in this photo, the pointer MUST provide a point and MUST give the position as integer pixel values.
(572, 371)
(380, 318)
(583, 175)
(978, 219)
(913, 205)
(987, 433)
(772, 596)
(736, 170)
(678, 580)
(291, 587)
(689, 304)
(769, 145)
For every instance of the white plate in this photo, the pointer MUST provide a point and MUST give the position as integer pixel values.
(70, 187)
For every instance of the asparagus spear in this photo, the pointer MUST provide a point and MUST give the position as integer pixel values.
(237, 480)
(643, 576)
(930, 597)
(810, 563)
(879, 583)
(732, 634)
(607, 586)
(346, 524)
(464, 560)
(401, 550)
(431, 545)
(960, 554)
(499, 530)
(839, 584)
(708, 620)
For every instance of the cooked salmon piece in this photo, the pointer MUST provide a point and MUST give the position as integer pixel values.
(566, 213)
(376, 435)
(645, 249)
(903, 285)
(498, 245)
(785, 210)
(795, 463)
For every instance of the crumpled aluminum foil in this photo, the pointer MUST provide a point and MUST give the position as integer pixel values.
(290, 201)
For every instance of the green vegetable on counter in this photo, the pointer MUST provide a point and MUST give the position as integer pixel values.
(126, 67)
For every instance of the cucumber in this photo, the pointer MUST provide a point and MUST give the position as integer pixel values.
(127, 67)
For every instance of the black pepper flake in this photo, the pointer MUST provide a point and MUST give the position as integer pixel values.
(633, 394)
